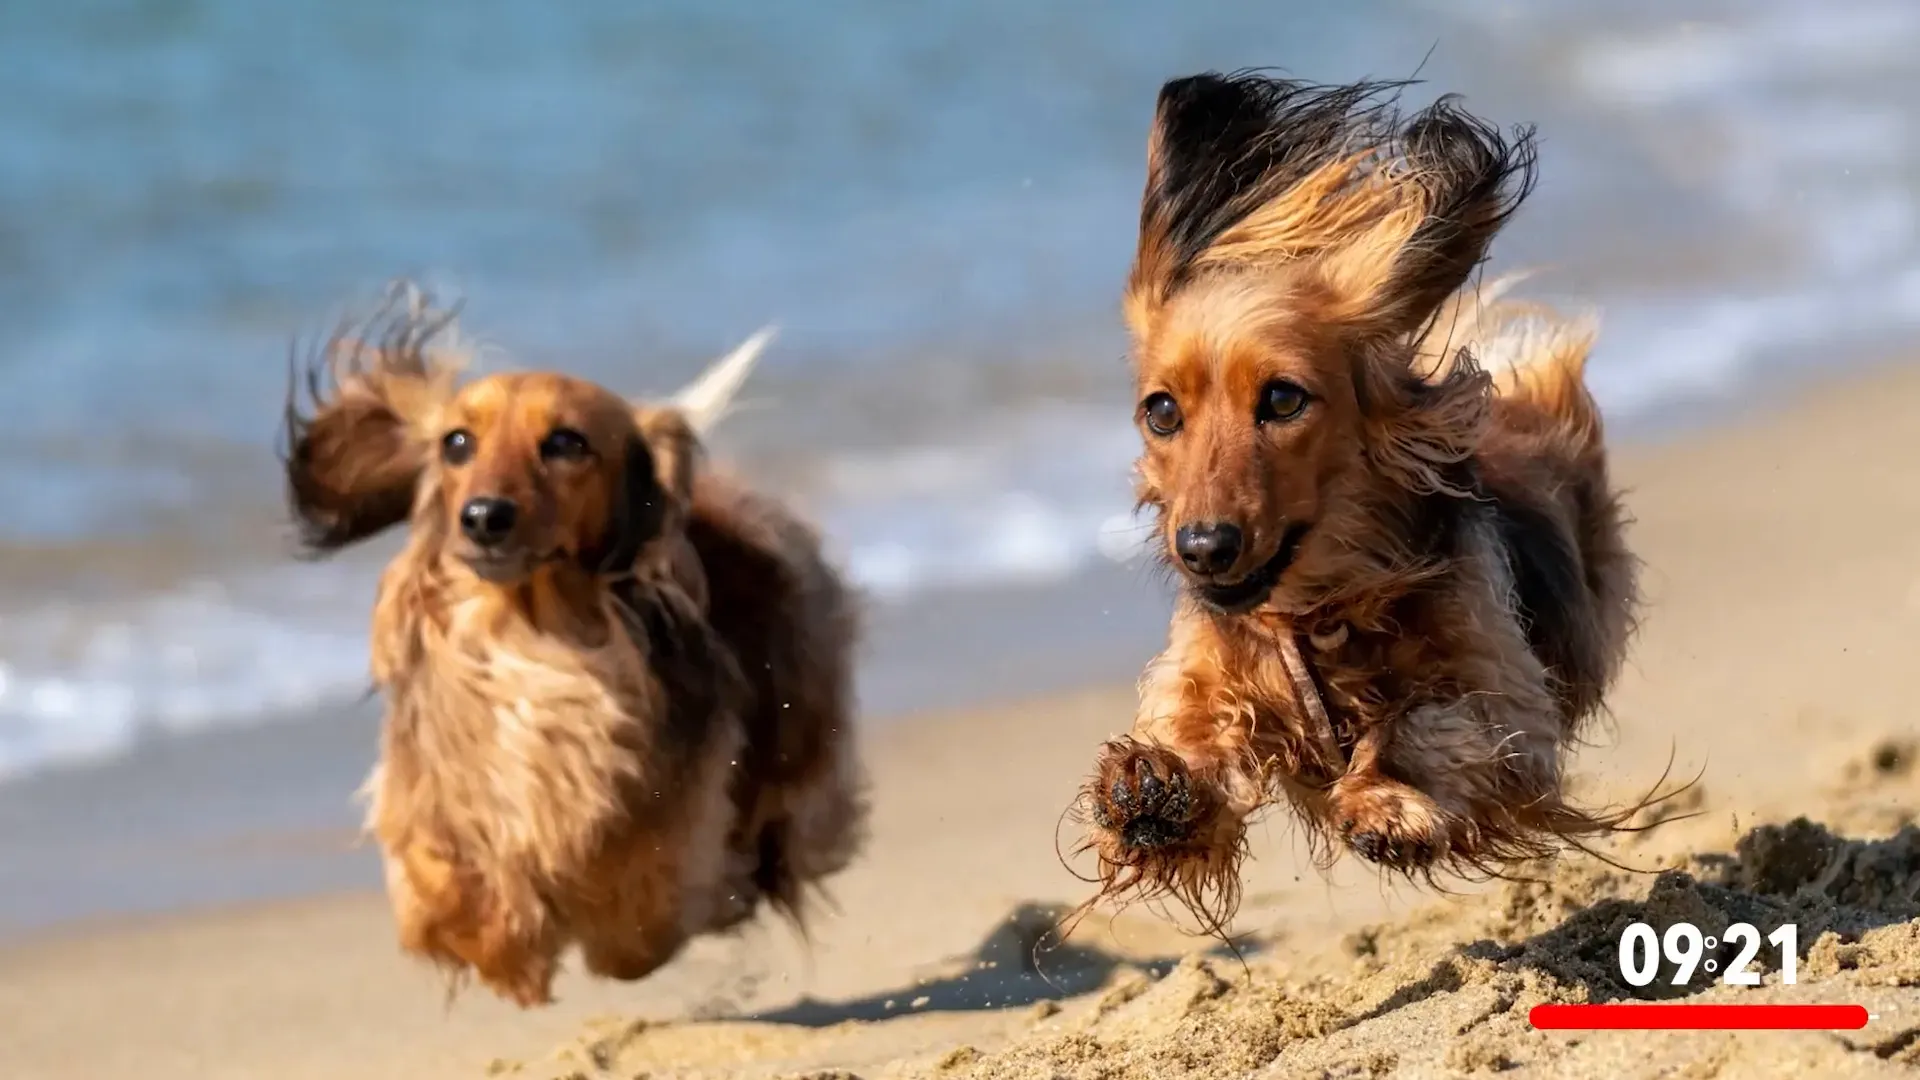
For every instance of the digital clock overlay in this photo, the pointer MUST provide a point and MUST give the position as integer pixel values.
(1796, 929)
(1680, 955)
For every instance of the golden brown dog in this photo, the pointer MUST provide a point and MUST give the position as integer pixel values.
(1405, 583)
(618, 684)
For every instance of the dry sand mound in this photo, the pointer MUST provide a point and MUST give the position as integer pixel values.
(1445, 992)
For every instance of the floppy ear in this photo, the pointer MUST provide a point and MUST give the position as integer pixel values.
(352, 464)
(354, 457)
(657, 480)
(1248, 170)
(640, 511)
(1204, 173)
(1464, 179)
(1255, 173)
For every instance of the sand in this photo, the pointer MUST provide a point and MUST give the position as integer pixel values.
(1783, 628)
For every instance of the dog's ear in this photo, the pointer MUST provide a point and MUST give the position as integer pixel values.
(1255, 172)
(1221, 147)
(353, 462)
(1259, 174)
(1462, 180)
(665, 452)
(353, 435)
(638, 513)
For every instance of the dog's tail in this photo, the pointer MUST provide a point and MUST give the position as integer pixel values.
(1536, 356)
(706, 400)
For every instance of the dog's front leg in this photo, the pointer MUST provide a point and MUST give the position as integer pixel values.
(1168, 803)
(1470, 784)
(1379, 805)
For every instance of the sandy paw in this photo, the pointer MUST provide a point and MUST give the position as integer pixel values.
(1389, 823)
(1145, 796)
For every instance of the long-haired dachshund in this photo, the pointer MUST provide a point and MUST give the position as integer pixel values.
(1405, 585)
(618, 684)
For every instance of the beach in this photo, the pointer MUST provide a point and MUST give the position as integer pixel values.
(1782, 621)
(936, 207)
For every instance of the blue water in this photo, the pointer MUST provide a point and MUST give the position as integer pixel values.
(935, 203)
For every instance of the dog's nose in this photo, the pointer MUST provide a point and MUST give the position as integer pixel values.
(487, 521)
(1207, 547)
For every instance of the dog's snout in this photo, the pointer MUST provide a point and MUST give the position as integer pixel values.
(1208, 547)
(487, 521)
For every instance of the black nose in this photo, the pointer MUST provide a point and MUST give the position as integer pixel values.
(1208, 547)
(487, 521)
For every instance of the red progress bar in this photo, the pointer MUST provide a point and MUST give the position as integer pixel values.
(1639, 1017)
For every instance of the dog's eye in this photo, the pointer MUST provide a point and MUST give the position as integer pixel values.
(564, 444)
(456, 447)
(1281, 400)
(1162, 414)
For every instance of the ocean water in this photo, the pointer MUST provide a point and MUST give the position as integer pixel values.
(934, 203)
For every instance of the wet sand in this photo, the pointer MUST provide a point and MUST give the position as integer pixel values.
(1777, 651)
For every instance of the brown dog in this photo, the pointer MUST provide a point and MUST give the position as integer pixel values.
(618, 684)
(1406, 585)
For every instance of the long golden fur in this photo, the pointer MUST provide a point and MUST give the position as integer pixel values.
(618, 712)
(1405, 583)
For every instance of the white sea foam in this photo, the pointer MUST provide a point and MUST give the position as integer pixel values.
(82, 682)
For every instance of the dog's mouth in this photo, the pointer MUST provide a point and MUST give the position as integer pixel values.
(1234, 598)
(505, 567)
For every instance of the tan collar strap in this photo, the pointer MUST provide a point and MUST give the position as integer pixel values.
(1308, 692)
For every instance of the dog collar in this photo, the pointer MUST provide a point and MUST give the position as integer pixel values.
(1307, 690)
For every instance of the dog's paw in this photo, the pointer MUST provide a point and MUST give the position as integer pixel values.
(1145, 796)
(1388, 823)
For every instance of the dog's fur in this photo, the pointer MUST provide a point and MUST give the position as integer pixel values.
(1436, 542)
(628, 724)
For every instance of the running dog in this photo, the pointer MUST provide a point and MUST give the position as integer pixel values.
(1405, 585)
(618, 682)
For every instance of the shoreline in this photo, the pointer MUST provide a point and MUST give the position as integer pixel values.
(273, 815)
